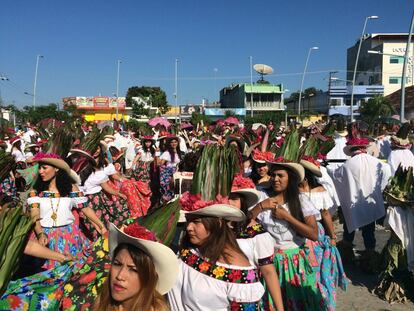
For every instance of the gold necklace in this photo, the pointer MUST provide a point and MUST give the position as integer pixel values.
(54, 215)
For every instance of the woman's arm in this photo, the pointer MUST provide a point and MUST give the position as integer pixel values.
(35, 249)
(308, 229)
(107, 188)
(96, 222)
(273, 285)
(41, 236)
(328, 224)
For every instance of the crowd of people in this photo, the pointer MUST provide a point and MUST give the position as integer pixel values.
(255, 223)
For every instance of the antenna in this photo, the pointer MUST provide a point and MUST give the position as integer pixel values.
(263, 70)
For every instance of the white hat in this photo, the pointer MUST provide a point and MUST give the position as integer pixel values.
(312, 167)
(224, 211)
(58, 162)
(251, 196)
(164, 259)
(295, 167)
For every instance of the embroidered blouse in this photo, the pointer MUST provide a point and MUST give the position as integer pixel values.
(52, 205)
(202, 285)
(257, 244)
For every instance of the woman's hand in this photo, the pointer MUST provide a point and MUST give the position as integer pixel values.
(269, 203)
(280, 213)
(42, 239)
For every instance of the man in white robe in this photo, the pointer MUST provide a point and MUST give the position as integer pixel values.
(361, 181)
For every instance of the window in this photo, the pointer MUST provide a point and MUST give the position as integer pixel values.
(396, 60)
(335, 101)
(394, 80)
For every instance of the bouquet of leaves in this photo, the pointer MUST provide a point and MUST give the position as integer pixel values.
(7, 164)
(290, 148)
(14, 228)
(163, 221)
(400, 188)
(215, 171)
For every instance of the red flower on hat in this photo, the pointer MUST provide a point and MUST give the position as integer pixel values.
(311, 160)
(140, 232)
(263, 156)
(147, 137)
(42, 155)
(193, 202)
(240, 182)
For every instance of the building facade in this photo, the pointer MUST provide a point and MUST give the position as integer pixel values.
(260, 98)
(378, 69)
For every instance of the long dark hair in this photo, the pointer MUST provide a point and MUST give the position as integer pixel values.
(311, 178)
(171, 150)
(147, 298)
(292, 193)
(221, 237)
(150, 149)
(63, 182)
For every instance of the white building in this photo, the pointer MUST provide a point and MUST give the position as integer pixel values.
(377, 69)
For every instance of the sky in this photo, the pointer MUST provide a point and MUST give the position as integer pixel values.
(82, 40)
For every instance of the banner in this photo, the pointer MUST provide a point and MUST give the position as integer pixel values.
(84, 102)
(101, 102)
(188, 110)
(117, 101)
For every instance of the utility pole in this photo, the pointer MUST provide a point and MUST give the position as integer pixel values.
(328, 98)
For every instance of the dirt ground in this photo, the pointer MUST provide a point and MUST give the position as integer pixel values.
(358, 297)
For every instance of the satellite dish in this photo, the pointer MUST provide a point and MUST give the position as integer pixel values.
(263, 70)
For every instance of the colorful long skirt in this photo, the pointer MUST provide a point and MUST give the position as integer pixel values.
(329, 270)
(65, 240)
(142, 171)
(138, 196)
(81, 290)
(167, 182)
(41, 291)
(107, 210)
(297, 281)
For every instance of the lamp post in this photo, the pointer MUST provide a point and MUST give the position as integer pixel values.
(35, 80)
(407, 48)
(215, 81)
(117, 88)
(303, 76)
(356, 63)
(251, 86)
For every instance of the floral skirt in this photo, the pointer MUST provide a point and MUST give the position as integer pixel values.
(142, 171)
(329, 270)
(138, 196)
(166, 182)
(41, 291)
(81, 290)
(66, 240)
(297, 281)
(107, 210)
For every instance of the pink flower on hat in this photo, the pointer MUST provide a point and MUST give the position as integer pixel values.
(193, 202)
(263, 156)
(311, 160)
(140, 232)
(240, 182)
(357, 141)
(42, 155)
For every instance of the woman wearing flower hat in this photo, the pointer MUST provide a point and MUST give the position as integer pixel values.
(290, 219)
(51, 202)
(169, 161)
(143, 160)
(328, 263)
(214, 273)
(142, 270)
(255, 242)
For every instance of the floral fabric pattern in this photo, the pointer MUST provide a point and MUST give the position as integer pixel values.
(329, 270)
(41, 291)
(200, 264)
(251, 231)
(81, 290)
(166, 187)
(245, 306)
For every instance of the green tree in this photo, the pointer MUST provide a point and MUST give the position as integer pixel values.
(375, 108)
(198, 117)
(155, 96)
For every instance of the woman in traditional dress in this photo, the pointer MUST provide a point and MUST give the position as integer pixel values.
(144, 160)
(328, 266)
(169, 161)
(290, 220)
(51, 202)
(94, 173)
(255, 242)
(214, 273)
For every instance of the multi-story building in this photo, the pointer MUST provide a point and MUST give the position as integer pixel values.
(266, 97)
(381, 69)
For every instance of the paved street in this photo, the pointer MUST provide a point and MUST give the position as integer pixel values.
(359, 297)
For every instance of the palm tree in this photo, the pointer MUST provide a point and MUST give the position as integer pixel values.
(376, 108)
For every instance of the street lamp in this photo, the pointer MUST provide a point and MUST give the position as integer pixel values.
(251, 86)
(215, 81)
(117, 88)
(356, 63)
(303, 76)
(35, 80)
